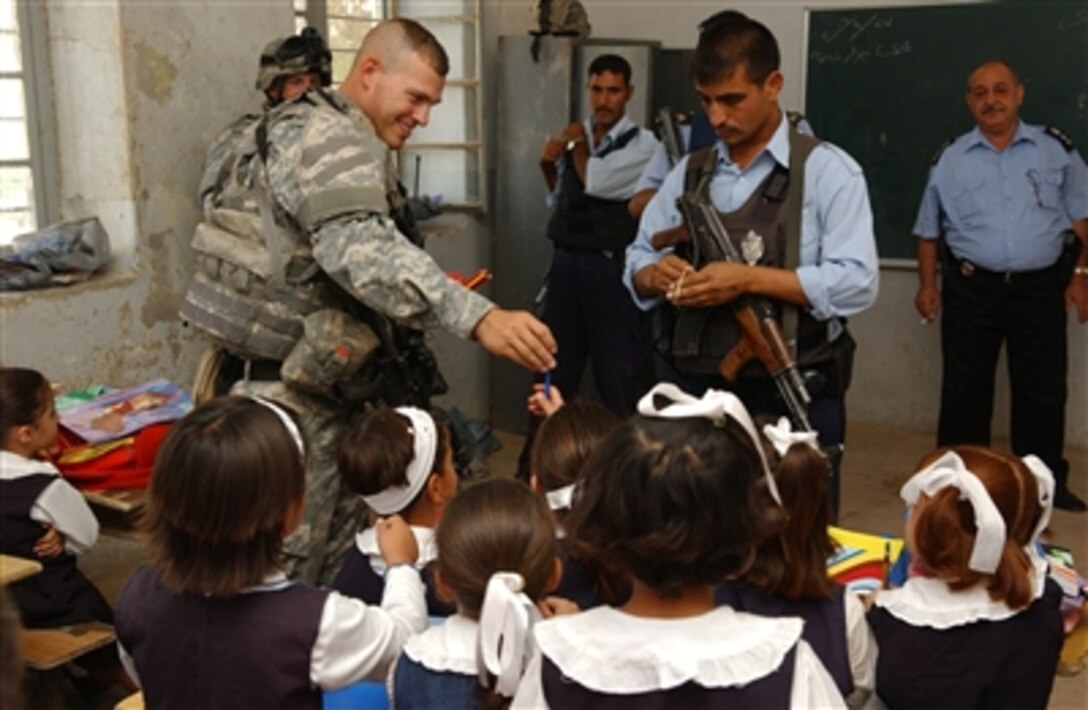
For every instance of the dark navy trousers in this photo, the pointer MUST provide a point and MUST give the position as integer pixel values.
(1026, 313)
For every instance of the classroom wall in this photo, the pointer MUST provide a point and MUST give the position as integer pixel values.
(141, 89)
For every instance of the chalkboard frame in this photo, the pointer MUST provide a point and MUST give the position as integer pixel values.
(1051, 97)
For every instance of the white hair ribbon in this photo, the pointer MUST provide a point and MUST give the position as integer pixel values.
(1044, 482)
(949, 470)
(424, 446)
(782, 436)
(504, 644)
(560, 498)
(288, 423)
(713, 405)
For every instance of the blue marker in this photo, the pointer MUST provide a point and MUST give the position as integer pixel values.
(548, 385)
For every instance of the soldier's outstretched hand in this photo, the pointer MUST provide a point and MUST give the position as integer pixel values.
(517, 336)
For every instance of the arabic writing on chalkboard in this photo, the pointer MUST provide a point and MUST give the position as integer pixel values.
(857, 39)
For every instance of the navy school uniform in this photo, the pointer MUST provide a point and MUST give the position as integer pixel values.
(835, 628)
(437, 668)
(606, 658)
(946, 649)
(363, 573)
(32, 493)
(275, 645)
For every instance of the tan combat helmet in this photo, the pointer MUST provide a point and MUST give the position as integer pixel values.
(297, 54)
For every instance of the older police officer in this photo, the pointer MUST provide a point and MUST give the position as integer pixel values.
(1004, 197)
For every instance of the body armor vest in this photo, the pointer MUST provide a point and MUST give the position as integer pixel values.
(255, 280)
(696, 339)
(584, 222)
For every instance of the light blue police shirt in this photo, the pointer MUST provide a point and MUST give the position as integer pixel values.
(838, 268)
(1004, 211)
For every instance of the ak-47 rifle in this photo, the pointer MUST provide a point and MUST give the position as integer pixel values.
(668, 129)
(760, 333)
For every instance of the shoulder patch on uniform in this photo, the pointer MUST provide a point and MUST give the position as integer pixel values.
(1057, 134)
(941, 150)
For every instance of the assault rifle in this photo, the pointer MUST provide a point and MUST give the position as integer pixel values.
(760, 334)
(668, 129)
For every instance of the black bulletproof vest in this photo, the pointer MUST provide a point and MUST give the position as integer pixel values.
(583, 222)
(696, 339)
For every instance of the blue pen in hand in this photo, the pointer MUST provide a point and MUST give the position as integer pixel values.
(548, 385)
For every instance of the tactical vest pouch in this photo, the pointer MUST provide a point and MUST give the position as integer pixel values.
(333, 348)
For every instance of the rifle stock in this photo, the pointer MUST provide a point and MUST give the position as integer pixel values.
(761, 336)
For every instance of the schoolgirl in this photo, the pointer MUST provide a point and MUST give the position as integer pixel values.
(977, 624)
(401, 462)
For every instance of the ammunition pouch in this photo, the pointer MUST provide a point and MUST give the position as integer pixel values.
(333, 348)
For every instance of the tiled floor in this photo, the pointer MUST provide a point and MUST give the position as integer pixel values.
(876, 464)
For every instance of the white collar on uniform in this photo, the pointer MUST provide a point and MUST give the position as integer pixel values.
(778, 146)
(928, 601)
(448, 647)
(609, 651)
(13, 466)
(367, 543)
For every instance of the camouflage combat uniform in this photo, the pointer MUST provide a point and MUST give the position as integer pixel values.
(326, 179)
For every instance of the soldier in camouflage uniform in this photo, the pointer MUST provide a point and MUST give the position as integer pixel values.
(324, 239)
(288, 68)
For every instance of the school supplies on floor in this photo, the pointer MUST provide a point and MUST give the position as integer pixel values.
(122, 412)
(864, 562)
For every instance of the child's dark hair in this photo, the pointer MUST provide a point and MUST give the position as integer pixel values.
(673, 503)
(944, 526)
(566, 440)
(377, 447)
(497, 525)
(24, 397)
(793, 564)
(225, 479)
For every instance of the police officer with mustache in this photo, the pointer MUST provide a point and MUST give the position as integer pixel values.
(1009, 200)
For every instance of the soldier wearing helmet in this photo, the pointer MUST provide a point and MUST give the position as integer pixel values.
(290, 66)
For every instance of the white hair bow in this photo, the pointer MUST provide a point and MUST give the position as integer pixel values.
(506, 620)
(1044, 482)
(949, 470)
(782, 436)
(424, 445)
(713, 405)
(560, 498)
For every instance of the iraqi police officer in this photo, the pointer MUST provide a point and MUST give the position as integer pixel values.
(1010, 201)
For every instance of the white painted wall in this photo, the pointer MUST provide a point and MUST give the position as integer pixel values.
(140, 90)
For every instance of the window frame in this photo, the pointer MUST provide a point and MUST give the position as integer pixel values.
(39, 115)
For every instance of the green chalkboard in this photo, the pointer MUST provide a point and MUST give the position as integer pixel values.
(888, 86)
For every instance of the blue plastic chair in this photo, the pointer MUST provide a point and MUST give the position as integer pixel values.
(364, 695)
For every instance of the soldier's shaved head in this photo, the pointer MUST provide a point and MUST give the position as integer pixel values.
(389, 41)
(398, 75)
